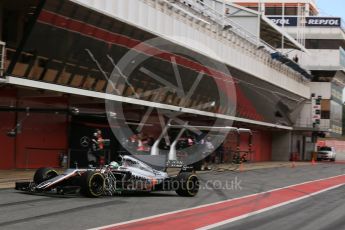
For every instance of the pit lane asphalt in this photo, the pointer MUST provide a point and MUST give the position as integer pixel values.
(23, 211)
(324, 211)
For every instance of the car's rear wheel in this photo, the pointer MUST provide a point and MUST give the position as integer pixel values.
(44, 174)
(92, 184)
(188, 184)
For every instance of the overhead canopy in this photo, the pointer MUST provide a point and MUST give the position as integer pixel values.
(273, 35)
(265, 28)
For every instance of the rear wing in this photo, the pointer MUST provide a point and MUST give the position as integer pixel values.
(174, 167)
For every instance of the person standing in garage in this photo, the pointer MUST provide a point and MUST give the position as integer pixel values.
(97, 149)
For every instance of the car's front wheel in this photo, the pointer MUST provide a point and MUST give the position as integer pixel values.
(44, 174)
(92, 184)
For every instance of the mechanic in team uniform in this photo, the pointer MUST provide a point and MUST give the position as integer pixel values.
(96, 157)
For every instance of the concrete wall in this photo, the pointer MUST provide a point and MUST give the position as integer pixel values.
(305, 119)
(320, 59)
(281, 146)
(314, 32)
(321, 89)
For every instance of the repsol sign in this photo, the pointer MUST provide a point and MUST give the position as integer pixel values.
(329, 22)
(287, 21)
(309, 21)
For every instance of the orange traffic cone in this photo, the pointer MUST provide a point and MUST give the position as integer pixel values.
(313, 161)
(293, 165)
(241, 167)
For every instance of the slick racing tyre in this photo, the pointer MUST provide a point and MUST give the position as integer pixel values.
(43, 174)
(188, 184)
(92, 184)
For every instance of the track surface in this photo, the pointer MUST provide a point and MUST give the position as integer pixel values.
(323, 212)
(23, 211)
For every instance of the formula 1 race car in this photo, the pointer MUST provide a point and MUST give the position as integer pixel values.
(128, 176)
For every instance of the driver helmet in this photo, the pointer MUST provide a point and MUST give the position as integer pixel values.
(114, 164)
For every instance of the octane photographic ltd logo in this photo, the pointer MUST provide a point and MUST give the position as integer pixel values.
(168, 101)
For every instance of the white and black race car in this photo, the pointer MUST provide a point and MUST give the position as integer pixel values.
(128, 176)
